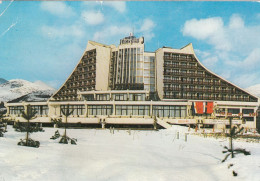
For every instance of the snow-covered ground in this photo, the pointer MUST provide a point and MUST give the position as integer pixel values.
(140, 155)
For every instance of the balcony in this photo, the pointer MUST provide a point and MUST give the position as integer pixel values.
(169, 65)
(225, 91)
(166, 89)
(183, 74)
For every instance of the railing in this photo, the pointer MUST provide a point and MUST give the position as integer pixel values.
(169, 65)
(184, 74)
(177, 58)
(171, 89)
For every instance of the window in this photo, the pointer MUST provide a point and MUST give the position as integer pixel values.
(41, 110)
(77, 109)
(137, 97)
(100, 109)
(233, 111)
(249, 119)
(14, 110)
(89, 97)
(102, 97)
(248, 111)
(132, 110)
(120, 97)
(169, 111)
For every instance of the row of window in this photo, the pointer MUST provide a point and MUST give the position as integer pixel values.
(116, 97)
(40, 110)
(170, 111)
(73, 109)
(236, 111)
(132, 110)
(15, 110)
(100, 109)
(141, 110)
(160, 111)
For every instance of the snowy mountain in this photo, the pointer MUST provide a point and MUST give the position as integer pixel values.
(16, 88)
(255, 90)
(36, 96)
(2, 81)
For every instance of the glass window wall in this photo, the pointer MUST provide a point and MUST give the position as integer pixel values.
(169, 111)
(41, 110)
(15, 110)
(140, 110)
(77, 109)
(100, 109)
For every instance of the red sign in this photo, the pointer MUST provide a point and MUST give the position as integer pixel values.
(199, 107)
(209, 107)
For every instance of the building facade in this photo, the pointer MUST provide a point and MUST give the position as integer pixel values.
(126, 86)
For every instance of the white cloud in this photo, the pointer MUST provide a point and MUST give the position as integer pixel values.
(203, 28)
(147, 25)
(61, 32)
(235, 36)
(92, 17)
(146, 29)
(203, 54)
(207, 58)
(120, 6)
(247, 79)
(236, 22)
(252, 61)
(115, 32)
(210, 29)
(0, 2)
(112, 32)
(57, 8)
(234, 46)
(225, 74)
(210, 62)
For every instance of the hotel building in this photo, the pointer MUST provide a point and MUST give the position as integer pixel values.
(126, 86)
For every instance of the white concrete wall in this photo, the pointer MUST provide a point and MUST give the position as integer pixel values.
(159, 72)
(102, 68)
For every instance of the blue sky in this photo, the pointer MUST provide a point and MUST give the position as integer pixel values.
(44, 40)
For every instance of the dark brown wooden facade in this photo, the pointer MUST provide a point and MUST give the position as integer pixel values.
(185, 78)
(83, 78)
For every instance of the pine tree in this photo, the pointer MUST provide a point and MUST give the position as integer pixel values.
(64, 139)
(28, 115)
(231, 151)
(3, 125)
